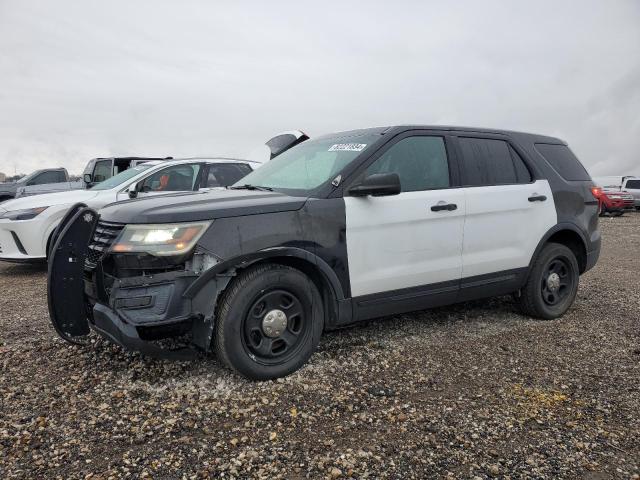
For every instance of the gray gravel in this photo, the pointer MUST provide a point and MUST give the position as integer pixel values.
(470, 391)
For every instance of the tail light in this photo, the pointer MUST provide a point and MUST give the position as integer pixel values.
(596, 192)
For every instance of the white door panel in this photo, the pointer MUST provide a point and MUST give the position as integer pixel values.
(398, 242)
(503, 228)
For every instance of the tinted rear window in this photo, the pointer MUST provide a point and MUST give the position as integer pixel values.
(634, 184)
(491, 162)
(223, 175)
(563, 161)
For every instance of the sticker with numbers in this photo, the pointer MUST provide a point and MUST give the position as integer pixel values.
(347, 147)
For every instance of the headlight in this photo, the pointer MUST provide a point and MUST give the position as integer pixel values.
(26, 214)
(162, 240)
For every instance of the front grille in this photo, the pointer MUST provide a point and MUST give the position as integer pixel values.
(103, 236)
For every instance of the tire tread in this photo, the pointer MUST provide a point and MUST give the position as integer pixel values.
(226, 300)
(528, 300)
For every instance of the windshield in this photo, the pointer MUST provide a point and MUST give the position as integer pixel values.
(305, 167)
(120, 178)
(24, 179)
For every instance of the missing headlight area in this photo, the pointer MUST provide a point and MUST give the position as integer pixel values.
(201, 262)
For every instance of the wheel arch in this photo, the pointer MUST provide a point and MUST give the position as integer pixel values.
(568, 235)
(310, 264)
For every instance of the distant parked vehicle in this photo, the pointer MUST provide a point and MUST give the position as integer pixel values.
(627, 183)
(47, 180)
(632, 185)
(612, 201)
(52, 180)
(27, 224)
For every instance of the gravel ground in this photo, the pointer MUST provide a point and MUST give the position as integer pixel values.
(474, 390)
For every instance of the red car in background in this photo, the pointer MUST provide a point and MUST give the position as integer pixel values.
(612, 201)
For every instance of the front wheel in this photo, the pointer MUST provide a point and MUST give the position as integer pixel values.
(269, 322)
(552, 284)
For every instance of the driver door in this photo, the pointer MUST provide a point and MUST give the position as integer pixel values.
(405, 251)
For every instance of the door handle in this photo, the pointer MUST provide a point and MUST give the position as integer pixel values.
(444, 206)
(537, 198)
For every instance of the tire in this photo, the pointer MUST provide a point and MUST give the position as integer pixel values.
(618, 214)
(537, 298)
(246, 343)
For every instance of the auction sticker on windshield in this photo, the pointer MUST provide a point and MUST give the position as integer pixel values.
(347, 147)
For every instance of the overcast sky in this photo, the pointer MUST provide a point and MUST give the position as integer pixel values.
(80, 79)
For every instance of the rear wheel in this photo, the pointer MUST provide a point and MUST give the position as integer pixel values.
(269, 322)
(552, 284)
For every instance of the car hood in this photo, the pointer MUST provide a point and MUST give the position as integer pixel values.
(49, 199)
(193, 207)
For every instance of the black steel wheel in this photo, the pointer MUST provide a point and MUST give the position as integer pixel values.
(552, 283)
(269, 321)
(276, 326)
(556, 281)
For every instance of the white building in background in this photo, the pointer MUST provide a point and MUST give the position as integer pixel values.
(3, 177)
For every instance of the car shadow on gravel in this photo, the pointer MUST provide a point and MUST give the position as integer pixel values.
(499, 311)
(23, 269)
(101, 356)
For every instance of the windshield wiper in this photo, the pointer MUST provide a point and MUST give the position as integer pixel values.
(247, 186)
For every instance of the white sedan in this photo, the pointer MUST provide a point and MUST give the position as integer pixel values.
(26, 224)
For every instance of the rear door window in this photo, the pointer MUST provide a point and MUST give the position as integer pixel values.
(563, 161)
(225, 174)
(487, 161)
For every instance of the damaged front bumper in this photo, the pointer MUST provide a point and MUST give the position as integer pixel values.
(153, 313)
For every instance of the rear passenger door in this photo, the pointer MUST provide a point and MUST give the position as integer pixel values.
(508, 211)
(405, 250)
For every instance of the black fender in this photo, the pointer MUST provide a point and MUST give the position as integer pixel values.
(244, 261)
(552, 231)
(218, 278)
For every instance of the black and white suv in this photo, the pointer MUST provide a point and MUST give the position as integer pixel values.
(338, 229)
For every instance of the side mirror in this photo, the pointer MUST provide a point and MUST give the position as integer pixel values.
(133, 192)
(377, 185)
(87, 177)
(139, 187)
